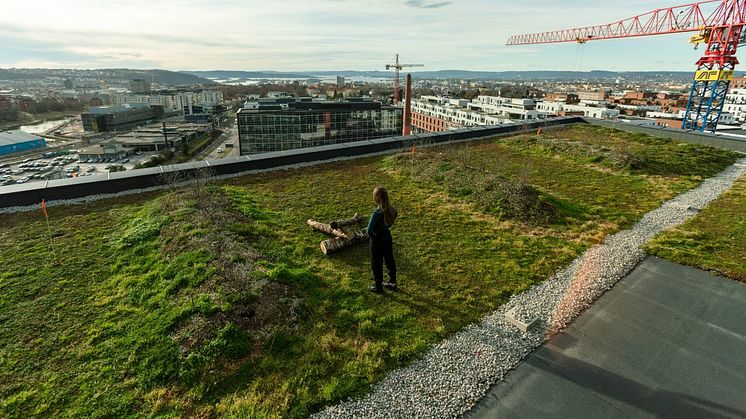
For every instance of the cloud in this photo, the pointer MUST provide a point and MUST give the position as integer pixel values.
(423, 4)
(304, 35)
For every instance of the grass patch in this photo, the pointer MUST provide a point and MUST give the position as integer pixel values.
(197, 144)
(714, 240)
(215, 299)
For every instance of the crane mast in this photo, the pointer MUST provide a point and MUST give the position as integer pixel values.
(397, 68)
(721, 30)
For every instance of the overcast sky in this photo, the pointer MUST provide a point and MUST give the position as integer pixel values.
(298, 35)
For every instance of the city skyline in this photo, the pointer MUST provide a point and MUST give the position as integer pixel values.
(326, 35)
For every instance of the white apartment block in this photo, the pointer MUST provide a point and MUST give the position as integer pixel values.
(170, 102)
(456, 116)
(524, 109)
(555, 108)
(735, 104)
(213, 97)
(640, 108)
(726, 117)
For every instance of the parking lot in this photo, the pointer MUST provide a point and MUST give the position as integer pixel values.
(66, 166)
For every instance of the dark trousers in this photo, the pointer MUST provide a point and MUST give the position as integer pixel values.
(382, 250)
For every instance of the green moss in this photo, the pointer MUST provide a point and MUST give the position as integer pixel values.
(714, 240)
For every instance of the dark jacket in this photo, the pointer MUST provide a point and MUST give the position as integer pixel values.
(377, 225)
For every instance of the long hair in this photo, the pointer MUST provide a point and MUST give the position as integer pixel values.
(381, 197)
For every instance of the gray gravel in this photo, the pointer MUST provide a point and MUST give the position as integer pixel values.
(457, 372)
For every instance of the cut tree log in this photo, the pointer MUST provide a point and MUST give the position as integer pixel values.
(326, 228)
(346, 222)
(336, 244)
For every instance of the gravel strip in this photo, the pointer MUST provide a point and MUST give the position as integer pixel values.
(457, 372)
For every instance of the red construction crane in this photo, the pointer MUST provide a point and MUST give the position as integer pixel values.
(397, 67)
(721, 29)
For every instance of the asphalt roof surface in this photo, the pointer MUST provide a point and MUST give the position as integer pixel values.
(666, 341)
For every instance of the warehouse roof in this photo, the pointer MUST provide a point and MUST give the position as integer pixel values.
(16, 137)
(104, 110)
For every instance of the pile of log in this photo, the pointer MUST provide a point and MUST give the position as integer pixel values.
(345, 233)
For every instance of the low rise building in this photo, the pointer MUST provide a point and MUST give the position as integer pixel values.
(110, 150)
(203, 113)
(152, 138)
(592, 94)
(563, 109)
(16, 141)
(676, 119)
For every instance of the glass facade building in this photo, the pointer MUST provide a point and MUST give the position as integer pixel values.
(289, 123)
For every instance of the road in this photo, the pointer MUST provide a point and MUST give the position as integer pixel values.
(219, 149)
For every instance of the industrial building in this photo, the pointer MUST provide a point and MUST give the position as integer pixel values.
(16, 141)
(121, 117)
(289, 123)
(104, 151)
(151, 138)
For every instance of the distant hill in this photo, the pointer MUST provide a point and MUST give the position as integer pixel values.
(512, 75)
(227, 74)
(162, 77)
(451, 74)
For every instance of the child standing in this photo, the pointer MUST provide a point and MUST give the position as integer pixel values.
(381, 243)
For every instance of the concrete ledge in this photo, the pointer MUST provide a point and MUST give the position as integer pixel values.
(691, 137)
(30, 194)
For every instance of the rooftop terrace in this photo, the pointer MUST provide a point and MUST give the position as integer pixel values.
(213, 299)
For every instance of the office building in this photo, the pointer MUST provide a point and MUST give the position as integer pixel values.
(120, 117)
(140, 86)
(289, 123)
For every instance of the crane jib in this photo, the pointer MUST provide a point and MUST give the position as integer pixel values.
(720, 24)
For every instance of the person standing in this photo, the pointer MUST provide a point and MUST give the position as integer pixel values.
(381, 242)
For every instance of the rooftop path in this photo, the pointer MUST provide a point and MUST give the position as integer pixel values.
(667, 340)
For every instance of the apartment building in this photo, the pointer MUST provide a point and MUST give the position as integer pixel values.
(563, 109)
(436, 113)
(735, 103)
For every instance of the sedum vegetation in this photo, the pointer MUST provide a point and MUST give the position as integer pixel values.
(214, 299)
(714, 240)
